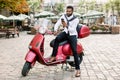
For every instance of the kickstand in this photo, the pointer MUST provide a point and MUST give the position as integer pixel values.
(65, 68)
(72, 69)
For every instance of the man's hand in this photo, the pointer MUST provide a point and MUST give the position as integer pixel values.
(55, 33)
(64, 24)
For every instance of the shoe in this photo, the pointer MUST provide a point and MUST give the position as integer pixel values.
(52, 59)
(77, 73)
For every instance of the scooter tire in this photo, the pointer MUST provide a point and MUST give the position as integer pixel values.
(72, 64)
(26, 68)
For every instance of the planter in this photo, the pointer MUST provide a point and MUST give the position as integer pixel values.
(115, 29)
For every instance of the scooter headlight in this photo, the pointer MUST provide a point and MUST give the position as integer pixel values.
(30, 47)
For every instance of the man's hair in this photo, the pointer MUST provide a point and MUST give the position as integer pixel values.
(70, 7)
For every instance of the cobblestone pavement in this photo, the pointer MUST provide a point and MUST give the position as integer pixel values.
(101, 60)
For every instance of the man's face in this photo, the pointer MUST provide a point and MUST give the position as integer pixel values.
(69, 12)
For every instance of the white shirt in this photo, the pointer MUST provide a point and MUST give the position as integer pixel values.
(72, 25)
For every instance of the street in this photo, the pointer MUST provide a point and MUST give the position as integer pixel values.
(100, 62)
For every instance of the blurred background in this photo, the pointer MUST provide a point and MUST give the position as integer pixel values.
(26, 15)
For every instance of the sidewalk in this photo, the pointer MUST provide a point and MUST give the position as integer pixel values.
(101, 60)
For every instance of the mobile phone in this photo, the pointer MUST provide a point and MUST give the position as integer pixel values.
(62, 20)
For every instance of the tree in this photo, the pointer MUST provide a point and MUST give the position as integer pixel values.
(81, 6)
(59, 7)
(8, 4)
(35, 6)
(117, 6)
(87, 5)
(19, 6)
(107, 6)
(91, 5)
(22, 7)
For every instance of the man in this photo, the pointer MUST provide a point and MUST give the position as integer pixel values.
(69, 33)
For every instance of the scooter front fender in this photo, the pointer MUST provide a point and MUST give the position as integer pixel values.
(30, 57)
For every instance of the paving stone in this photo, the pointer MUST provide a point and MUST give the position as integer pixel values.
(100, 62)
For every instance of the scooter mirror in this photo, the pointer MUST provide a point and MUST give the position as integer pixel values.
(42, 30)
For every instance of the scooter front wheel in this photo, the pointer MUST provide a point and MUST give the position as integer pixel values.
(26, 68)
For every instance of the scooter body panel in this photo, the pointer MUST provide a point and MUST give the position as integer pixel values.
(60, 55)
(30, 57)
(68, 51)
(37, 44)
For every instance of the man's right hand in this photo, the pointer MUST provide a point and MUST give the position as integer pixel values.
(55, 33)
(64, 24)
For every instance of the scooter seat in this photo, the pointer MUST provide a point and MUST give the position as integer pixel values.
(61, 43)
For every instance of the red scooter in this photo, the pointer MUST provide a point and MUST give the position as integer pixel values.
(64, 54)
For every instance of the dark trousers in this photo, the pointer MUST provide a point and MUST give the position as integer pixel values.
(72, 39)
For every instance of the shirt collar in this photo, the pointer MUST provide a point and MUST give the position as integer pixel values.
(70, 17)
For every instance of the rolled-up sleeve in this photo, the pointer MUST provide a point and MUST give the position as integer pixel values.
(58, 23)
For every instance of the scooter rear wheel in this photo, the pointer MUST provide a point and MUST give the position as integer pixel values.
(80, 58)
(26, 68)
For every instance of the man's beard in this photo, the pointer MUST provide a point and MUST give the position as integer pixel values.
(69, 15)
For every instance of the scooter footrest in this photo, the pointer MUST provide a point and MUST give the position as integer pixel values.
(56, 62)
(71, 59)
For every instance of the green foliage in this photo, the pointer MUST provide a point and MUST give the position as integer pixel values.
(117, 6)
(14, 5)
(59, 7)
(114, 5)
(107, 6)
(102, 28)
(87, 5)
(8, 4)
(94, 27)
(91, 5)
(35, 6)
(81, 7)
